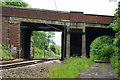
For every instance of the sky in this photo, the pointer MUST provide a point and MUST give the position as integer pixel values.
(99, 7)
(102, 7)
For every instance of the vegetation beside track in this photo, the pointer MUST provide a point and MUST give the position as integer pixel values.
(70, 68)
(5, 53)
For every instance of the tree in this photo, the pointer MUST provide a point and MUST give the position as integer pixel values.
(55, 49)
(115, 60)
(17, 3)
(41, 41)
(102, 48)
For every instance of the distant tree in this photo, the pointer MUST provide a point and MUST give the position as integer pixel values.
(18, 3)
(41, 39)
(55, 49)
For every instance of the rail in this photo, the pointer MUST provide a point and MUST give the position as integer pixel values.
(22, 62)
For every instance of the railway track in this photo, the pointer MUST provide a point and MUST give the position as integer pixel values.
(22, 62)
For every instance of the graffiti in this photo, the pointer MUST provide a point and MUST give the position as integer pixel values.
(13, 50)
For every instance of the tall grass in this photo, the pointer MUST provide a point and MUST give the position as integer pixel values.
(70, 68)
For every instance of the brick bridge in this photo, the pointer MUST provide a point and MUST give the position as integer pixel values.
(78, 29)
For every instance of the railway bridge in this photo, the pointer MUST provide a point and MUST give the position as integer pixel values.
(78, 29)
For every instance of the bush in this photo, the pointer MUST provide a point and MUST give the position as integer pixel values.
(5, 53)
(115, 62)
(38, 53)
(55, 49)
(49, 53)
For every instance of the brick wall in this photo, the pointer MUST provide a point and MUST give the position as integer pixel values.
(46, 14)
(5, 30)
(11, 34)
(14, 34)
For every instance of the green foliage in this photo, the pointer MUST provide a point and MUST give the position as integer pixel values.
(38, 52)
(70, 68)
(44, 45)
(102, 48)
(17, 3)
(5, 53)
(55, 49)
(42, 39)
(115, 59)
(115, 62)
(50, 53)
(39, 40)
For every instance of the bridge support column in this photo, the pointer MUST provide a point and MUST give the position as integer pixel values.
(63, 55)
(68, 45)
(83, 44)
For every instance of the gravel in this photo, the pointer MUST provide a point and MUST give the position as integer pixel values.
(99, 70)
(32, 71)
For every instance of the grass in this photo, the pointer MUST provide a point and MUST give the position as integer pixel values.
(5, 53)
(70, 68)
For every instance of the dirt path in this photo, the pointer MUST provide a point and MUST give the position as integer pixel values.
(99, 70)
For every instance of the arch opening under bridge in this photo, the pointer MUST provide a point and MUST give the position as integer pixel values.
(93, 33)
(26, 31)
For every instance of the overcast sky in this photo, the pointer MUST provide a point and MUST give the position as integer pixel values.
(101, 7)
